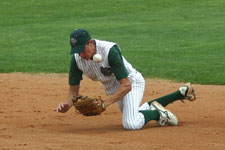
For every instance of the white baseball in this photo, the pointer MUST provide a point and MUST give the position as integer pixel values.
(97, 58)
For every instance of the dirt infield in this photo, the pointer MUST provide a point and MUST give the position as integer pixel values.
(27, 119)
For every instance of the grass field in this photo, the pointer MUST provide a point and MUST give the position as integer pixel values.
(176, 40)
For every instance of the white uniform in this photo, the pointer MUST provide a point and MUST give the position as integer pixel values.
(129, 105)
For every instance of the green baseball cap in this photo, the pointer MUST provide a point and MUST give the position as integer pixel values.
(78, 39)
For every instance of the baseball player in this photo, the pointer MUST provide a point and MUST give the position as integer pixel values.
(122, 83)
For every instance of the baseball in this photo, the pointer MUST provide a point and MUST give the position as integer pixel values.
(97, 58)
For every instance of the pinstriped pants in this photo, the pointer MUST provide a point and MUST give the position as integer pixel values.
(129, 105)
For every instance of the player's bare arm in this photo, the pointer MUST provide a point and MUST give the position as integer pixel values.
(67, 104)
(73, 91)
(124, 88)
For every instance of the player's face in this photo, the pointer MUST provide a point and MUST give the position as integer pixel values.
(88, 51)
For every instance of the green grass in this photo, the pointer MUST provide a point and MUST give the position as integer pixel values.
(177, 40)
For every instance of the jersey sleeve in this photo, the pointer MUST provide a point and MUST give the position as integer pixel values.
(116, 63)
(75, 74)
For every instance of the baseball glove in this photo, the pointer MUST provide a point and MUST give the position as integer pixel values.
(88, 106)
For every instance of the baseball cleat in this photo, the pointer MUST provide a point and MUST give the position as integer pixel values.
(188, 92)
(166, 116)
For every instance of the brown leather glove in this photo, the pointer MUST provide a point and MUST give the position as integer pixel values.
(89, 106)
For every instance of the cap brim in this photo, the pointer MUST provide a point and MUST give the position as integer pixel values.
(77, 49)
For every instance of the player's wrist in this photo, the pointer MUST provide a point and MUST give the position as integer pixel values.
(70, 104)
(107, 103)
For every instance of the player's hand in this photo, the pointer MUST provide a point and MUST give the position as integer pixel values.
(62, 108)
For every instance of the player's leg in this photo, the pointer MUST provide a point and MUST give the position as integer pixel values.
(157, 112)
(148, 116)
(185, 92)
(167, 99)
(132, 118)
(129, 106)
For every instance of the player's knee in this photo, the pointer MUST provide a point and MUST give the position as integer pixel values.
(131, 125)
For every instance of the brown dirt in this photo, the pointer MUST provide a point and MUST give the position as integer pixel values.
(27, 119)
